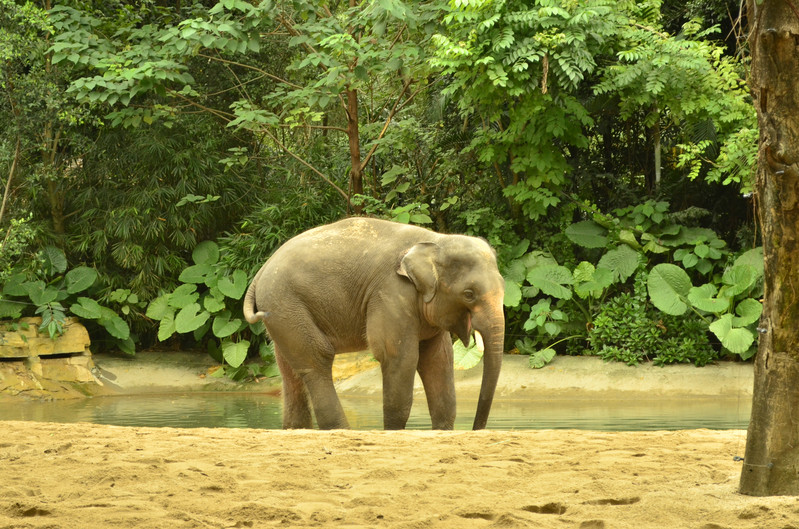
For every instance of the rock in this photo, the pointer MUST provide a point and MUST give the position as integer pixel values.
(22, 339)
(36, 366)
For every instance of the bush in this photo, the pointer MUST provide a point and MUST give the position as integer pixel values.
(630, 330)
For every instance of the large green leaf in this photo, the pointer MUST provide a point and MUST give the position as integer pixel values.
(753, 257)
(183, 296)
(10, 309)
(553, 280)
(736, 339)
(583, 272)
(668, 287)
(622, 261)
(86, 308)
(513, 294)
(196, 273)
(748, 312)
(167, 326)
(223, 326)
(233, 287)
(116, 326)
(588, 234)
(595, 285)
(159, 307)
(466, 357)
(628, 238)
(189, 318)
(739, 279)
(235, 353)
(207, 253)
(515, 271)
(213, 303)
(40, 293)
(703, 298)
(15, 285)
(55, 262)
(80, 278)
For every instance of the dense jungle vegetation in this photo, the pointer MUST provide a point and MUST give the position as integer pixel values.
(153, 154)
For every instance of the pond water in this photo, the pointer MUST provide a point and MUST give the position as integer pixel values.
(247, 410)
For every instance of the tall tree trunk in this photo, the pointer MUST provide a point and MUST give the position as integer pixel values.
(771, 463)
(353, 133)
(657, 147)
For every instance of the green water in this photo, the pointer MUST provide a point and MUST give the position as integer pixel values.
(246, 410)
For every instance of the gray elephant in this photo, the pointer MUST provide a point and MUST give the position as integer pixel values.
(395, 289)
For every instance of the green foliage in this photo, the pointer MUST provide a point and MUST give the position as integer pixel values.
(573, 296)
(514, 68)
(16, 240)
(590, 301)
(55, 291)
(688, 81)
(730, 304)
(629, 330)
(207, 299)
(145, 128)
(142, 241)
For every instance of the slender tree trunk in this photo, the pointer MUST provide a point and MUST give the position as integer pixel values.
(353, 133)
(656, 140)
(771, 463)
(11, 172)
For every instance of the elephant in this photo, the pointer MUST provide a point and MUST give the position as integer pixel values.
(395, 289)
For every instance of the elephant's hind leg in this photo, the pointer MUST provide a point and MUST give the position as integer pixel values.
(296, 407)
(308, 359)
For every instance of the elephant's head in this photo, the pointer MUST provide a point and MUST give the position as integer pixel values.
(462, 292)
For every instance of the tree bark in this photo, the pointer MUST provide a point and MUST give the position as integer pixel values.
(771, 463)
(353, 133)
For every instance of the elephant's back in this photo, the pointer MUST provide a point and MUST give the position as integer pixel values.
(346, 255)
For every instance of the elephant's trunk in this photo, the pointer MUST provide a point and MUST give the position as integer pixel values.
(494, 339)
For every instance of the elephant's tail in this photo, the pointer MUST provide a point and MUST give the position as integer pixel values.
(249, 308)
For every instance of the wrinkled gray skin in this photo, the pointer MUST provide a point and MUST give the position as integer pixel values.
(395, 289)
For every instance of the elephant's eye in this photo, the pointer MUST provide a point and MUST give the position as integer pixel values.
(468, 295)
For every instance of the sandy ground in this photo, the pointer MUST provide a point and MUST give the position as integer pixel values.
(88, 476)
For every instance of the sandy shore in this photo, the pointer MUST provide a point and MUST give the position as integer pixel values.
(86, 476)
(89, 476)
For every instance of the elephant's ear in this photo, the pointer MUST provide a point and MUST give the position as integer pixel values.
(419, 265)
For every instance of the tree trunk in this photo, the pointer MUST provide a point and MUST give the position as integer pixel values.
(7, 191)
(353, 134)
(356, 175)
(771, 463)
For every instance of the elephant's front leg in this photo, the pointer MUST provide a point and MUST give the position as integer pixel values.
(398, 360)
(437, 373)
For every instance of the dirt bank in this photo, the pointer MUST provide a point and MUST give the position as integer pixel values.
(86, 476)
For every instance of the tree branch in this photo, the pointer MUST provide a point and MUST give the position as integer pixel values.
(227, 116)
(259, 70)
(306, 164)
(368, 156)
